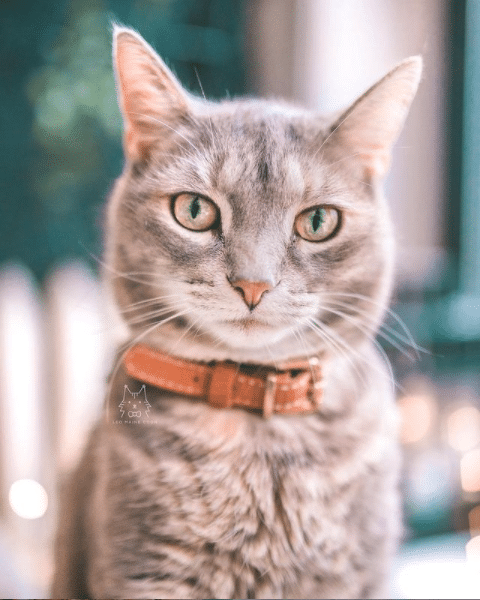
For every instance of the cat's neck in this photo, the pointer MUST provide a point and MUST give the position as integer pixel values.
(206, 350)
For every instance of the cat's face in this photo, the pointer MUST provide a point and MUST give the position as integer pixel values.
(250, 226)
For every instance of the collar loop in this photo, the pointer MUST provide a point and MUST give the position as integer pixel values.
(294, 388)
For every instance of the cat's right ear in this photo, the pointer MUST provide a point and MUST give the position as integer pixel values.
(149, 95)
(370, 127)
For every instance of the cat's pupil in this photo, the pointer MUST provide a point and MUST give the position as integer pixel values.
(194, 208)
(317, 219)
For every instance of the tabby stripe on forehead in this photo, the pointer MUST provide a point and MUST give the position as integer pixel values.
(263, 171)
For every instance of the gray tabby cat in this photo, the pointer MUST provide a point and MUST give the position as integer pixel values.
(255, 232)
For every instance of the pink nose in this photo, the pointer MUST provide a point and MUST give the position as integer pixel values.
(251, 291)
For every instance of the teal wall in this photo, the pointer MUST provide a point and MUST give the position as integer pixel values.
(59, 122)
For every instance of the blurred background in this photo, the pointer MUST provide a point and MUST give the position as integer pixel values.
(60, 150)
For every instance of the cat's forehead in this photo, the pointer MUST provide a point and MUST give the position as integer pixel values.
(250, 152)
(264, 129)
(263, 158)
(264, 149)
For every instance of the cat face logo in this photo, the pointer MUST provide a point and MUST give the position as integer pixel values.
(135, 404)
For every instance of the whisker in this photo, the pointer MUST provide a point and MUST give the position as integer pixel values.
(199, 82)
(191, 326)
(158, 313)
(350, 350)
(145, 303)
(149, 315)
(371, 337)
(369, 333)
(388, 310)
(130, 345)
(133, 277)
(370, 185)
(179, 158)
(360, 357)
(388, 364)
(381, 326)
(205, 98)
(269, 350)
(332, 132)
(336, 342)
(167, 126)
(299, 336)
(331, 164)
(126, 275)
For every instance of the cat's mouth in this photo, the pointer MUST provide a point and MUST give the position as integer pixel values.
(249, 332)
(249, 323)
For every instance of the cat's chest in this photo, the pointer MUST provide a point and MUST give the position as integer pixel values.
(266, 502)
(273, 510)
(242, 508)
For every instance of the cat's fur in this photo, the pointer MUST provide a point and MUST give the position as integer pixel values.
(206, 503)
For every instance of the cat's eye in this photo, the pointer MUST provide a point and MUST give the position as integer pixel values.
(194, 212)
(318, 223)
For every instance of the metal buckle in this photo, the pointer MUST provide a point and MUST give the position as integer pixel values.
(269, 395)
(316, 385)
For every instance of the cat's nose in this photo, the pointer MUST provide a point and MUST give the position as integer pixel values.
(251, 291)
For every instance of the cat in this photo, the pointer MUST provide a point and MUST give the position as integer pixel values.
(245, 238)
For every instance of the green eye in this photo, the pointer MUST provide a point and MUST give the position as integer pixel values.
(318, 223)
(194, 212)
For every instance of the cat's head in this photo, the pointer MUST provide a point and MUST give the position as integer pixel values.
(253, 230)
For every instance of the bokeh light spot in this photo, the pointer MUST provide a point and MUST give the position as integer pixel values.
(474, 521)
(473, 551)
(463, 428)
(28, 499)
(418, 413)
(470, 471)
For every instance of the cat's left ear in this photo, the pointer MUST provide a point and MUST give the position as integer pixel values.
(370, 127)
(150, 97)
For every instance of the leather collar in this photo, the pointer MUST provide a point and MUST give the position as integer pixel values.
(292, 388)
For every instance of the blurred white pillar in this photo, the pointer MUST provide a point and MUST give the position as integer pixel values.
(341, 48)
(22, 370)
(26, 492)
(78, 364)
(337, 51)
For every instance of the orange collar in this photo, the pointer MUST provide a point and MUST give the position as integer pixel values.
(293, 388)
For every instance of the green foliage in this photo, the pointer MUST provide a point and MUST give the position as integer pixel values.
(62, 147)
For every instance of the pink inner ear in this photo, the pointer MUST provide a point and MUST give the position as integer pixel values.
(148, 95)
(373, 123)
(376, 164)
(137, 144)
(133, 146)
(134, 77)
(376, 159)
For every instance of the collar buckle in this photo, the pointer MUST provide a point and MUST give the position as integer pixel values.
(269, 394)
(315, 393)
